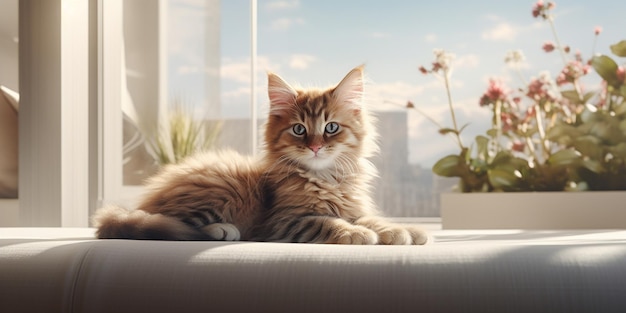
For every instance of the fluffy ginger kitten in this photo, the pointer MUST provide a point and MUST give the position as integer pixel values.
(311, 184)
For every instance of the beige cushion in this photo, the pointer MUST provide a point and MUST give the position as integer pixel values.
(66, 270)
(8, 143)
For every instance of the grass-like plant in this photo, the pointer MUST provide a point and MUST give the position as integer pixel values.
(180, 135)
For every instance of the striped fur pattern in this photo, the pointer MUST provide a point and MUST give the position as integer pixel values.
(311, 184)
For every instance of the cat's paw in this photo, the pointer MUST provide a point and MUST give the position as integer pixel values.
(402, 235)
(222, 231)
(395, 235)
(418, 235)
(355, 235)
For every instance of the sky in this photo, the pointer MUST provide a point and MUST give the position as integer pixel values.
(316, 42)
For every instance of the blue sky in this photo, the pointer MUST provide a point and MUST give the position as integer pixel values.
(315, 42)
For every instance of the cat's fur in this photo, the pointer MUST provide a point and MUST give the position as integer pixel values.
(311, 184)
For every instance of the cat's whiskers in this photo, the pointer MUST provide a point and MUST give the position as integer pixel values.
(287, 165)
(271, 168)
(347, 165)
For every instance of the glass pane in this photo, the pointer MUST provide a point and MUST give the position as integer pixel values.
(178, 75)
(317, 42)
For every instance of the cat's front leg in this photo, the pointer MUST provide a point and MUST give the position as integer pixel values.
(392, 233)
(324, 229)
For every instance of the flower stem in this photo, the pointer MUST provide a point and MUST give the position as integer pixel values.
(542, 132)
(521, 76)
(454, 123)
(497, 113)
(563, 56)
(556, 39)
(430, 119)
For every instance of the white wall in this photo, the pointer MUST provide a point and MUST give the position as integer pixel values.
(8, 44)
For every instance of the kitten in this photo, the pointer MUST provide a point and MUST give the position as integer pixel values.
(311, 184)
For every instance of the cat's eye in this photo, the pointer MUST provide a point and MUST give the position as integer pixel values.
(331, 128)
(299, 129)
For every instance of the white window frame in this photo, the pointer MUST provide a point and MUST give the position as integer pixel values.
(54, 118)
(112, 89)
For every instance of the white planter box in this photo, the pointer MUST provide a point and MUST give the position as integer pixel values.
(534, 210)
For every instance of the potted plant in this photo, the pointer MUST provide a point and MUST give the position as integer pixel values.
(547, 135)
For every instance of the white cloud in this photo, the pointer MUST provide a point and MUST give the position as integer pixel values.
(239, 70)
(301, 61)
(502, 31)
(285, 23)
(467, 61)
(430, 38)
(394, 95)
(283, 4)
(189, 69)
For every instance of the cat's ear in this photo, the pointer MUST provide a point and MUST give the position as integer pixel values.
(350, 90)
(282, 95)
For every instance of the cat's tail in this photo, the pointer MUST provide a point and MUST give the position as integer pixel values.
(113, 222)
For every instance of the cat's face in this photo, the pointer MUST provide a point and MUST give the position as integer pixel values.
(317, 129)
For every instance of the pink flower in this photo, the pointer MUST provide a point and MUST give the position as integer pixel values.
(436, 66)
(537, 8)
(621, 74)
(541, 9)
(571, 72)
(548, 46)
(509, 121)
(495, 92)
(597, 30)
(543, 88)
(518, 146)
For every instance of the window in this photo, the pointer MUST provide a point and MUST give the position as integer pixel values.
(201, 56)
(153, 54)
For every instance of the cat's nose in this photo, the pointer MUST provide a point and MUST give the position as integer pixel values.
(315, 148)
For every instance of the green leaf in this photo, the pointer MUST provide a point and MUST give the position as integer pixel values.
(588, 96)
(448, 166)
(563, 133)
(622, 90)
(504, 178)
(621, 108)
(589, 146)
(593, 166)
(619, 150)
(482, 146)
(608, 131)
(502, 157)
(619, 49)
(571, 95)
(445, 131)
(606, 68)
(564, 157)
